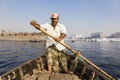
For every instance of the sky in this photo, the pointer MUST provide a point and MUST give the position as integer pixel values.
(79, 16)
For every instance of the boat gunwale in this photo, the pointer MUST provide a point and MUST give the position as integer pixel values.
(84, 63)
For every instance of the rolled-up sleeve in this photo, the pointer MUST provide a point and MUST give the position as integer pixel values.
(63, 29)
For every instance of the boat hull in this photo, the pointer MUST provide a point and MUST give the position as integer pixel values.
(36, 69)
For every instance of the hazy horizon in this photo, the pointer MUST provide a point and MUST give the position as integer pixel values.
(81, 16)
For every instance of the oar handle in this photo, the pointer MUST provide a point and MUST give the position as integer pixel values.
(36, 25)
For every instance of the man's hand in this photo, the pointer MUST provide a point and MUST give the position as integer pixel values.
(35, 24)
(58, 39)
(62, 36)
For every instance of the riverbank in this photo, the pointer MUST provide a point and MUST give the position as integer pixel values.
(23, 36)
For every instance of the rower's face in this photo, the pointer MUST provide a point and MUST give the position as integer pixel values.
(54, 21)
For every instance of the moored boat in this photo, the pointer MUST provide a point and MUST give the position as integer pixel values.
(34, 40)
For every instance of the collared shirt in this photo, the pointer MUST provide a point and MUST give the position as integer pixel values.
(60, 28)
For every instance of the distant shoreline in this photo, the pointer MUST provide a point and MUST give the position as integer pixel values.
(22, 36)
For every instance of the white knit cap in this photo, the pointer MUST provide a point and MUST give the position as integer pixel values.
(54, 15)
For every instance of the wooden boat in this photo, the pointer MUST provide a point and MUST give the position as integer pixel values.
(35, 69)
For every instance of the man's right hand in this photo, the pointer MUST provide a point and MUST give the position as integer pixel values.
(35, 24)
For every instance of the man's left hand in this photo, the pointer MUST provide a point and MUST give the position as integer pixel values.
(58, 39)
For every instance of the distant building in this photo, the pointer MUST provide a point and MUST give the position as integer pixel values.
(98, 35)
(77, 36)
(115, 35)
(2, 31)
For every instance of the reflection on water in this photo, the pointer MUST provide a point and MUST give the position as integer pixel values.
(104, 54)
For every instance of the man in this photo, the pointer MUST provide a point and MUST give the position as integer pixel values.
(56, 53)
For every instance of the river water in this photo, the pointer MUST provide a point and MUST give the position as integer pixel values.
(106, 55)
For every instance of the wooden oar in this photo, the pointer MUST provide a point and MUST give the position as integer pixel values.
(36, 25)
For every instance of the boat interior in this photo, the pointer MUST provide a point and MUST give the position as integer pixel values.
(36, 69)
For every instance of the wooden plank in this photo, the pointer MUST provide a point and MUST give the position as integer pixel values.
(43, 76)
(75, 77)
(55, 76)
(83, 71)
(65, 77)
(21, 73)
(58, 76)
(92, 76)
(62, 77)
(68, 77)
